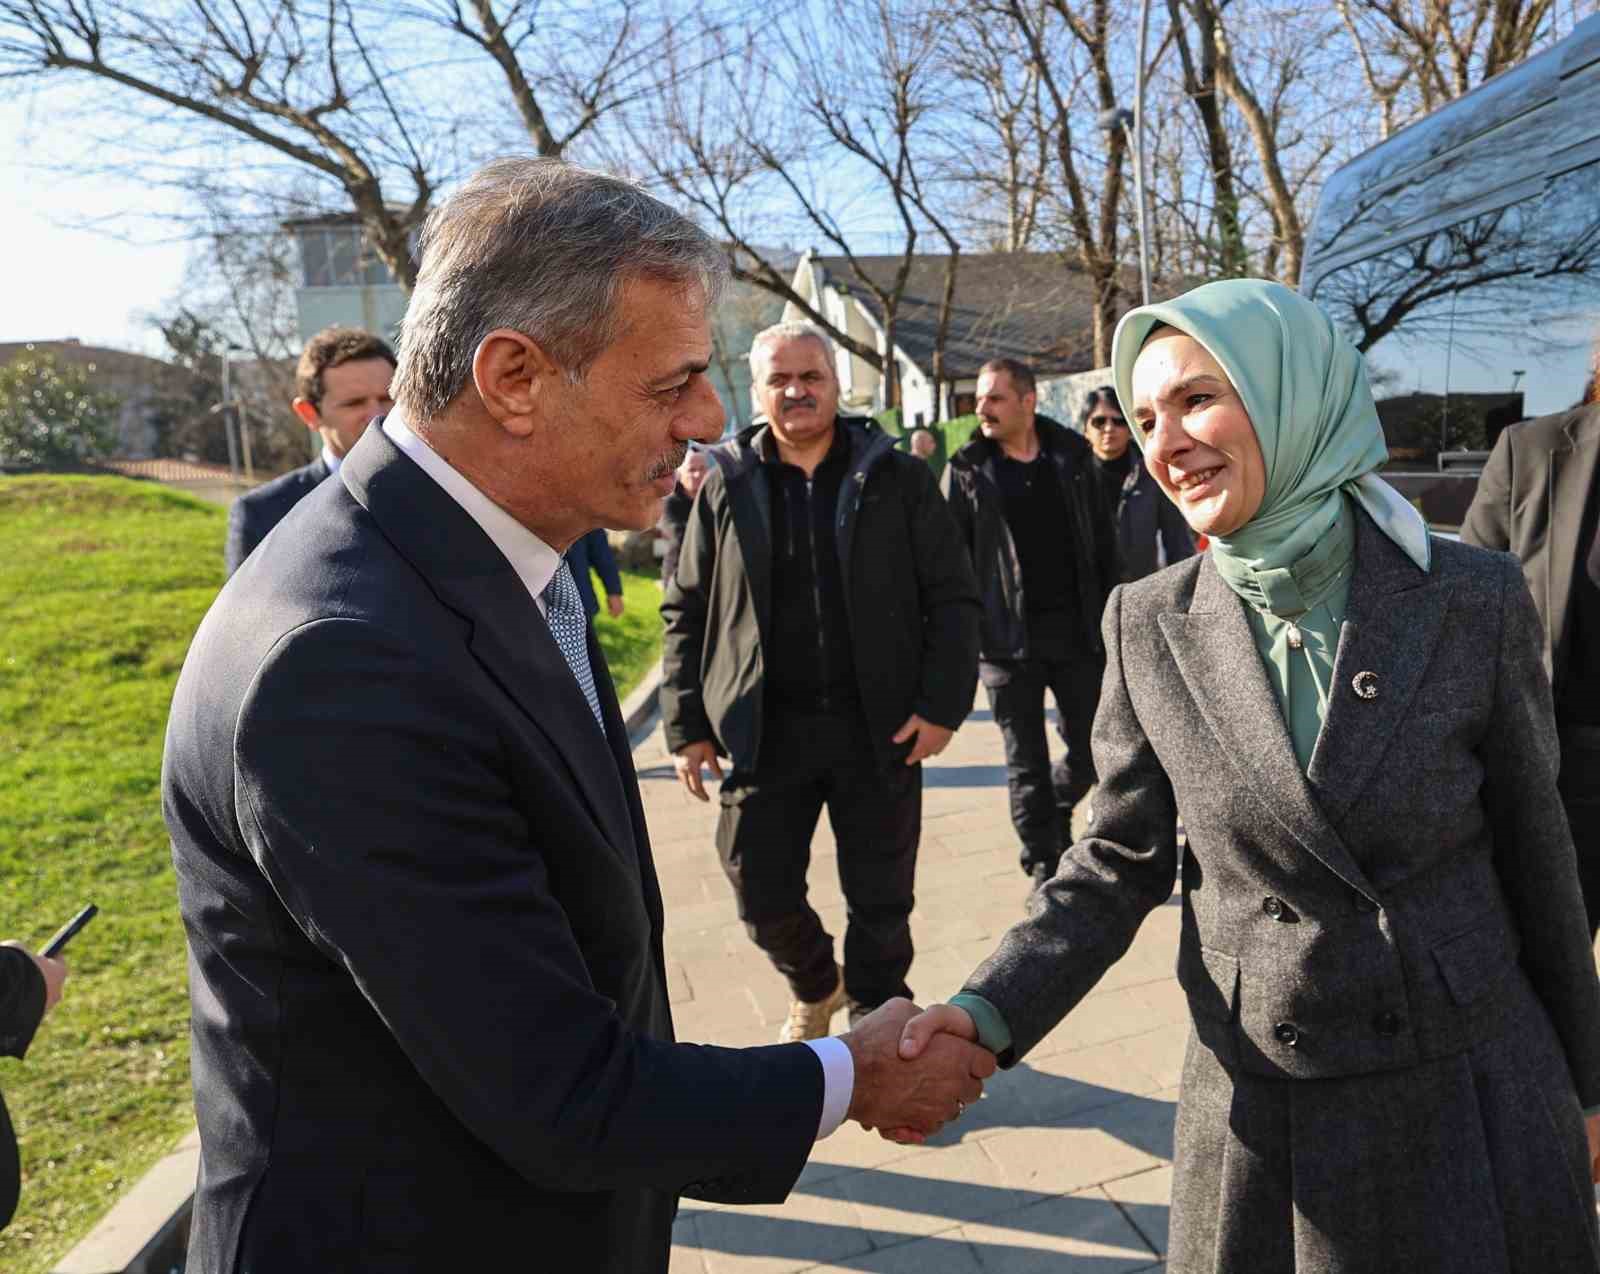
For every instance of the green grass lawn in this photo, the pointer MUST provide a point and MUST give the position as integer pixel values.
(104, 581)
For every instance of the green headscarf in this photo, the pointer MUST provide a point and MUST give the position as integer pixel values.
(1305, 388)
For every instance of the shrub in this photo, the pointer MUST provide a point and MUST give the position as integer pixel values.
(50, 416)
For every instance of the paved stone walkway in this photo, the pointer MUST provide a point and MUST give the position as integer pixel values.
(1065, 1164)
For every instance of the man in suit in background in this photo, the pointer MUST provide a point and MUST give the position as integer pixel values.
(30, 986)
(343, 385)
(592, 552)
(430, 1007)
(1539, 498)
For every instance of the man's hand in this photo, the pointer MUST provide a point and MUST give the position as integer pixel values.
(918, 1096)
(688, 761)
(614, 604)
(940, 1018)
(930, 739)
(54, 973)
(1592, 1127)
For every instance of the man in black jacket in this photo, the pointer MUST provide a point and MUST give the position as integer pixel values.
(822, 634)
(30, 986)
(342, 384)
(1044, 544)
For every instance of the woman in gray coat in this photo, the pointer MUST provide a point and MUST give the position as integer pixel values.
(1396, 1018)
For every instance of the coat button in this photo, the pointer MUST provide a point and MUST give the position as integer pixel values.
(1388, 1022)
(1273, 907)
(1287, 1034)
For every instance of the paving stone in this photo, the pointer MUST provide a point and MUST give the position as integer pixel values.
(928, 1192)
(942, 1254)
(1146, 1200)
(1075, 1234)
(1064, 1163)
(810, 1228)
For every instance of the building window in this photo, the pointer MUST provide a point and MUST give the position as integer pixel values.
(338, 257)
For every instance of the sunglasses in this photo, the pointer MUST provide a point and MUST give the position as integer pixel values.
(1106, 422)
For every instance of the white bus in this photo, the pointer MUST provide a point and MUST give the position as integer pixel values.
(1463, 257)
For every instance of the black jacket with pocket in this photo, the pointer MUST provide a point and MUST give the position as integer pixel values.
(909, 592)
(973, 490)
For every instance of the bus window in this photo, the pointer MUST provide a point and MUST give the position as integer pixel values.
(1482, 323)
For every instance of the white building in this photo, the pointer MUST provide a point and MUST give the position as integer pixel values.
(1030, 306)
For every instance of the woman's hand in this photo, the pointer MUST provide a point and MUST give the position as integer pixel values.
(1592, 1126)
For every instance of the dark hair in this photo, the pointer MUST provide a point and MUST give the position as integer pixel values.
(1104, 394)
(1021, 374)
(334, 347)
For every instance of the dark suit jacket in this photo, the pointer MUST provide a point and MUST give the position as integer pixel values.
(256, 512)
(1530, 501)
(592, 552)
(21, 1007)
(430, 1016)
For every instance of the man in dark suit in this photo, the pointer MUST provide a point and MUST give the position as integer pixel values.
(430, 1013)
(343, 385)
(30, 986)
(1537, 498)
(592, 553)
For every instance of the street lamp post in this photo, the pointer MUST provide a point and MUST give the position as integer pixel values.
(225, 408)
(1132, 125)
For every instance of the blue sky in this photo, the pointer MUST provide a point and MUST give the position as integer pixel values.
(84, 255)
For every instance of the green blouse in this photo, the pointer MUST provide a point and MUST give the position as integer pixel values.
(1298, 638)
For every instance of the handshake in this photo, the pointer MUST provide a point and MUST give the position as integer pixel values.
(915, 1070)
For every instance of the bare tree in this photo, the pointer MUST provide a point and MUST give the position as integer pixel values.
(1069, 43)
(1415, 55)
(783, 136)
(304, 86)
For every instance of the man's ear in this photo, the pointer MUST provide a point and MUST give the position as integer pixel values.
(307, 411)
(515, 379)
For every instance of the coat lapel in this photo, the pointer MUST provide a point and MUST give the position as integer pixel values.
(510, 638)
(1216, 654)
(1392, 623)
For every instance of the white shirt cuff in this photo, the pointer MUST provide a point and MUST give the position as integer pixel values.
(838, 1081)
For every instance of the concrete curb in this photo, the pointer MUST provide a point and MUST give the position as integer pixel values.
(147, 1229)
(640, 707)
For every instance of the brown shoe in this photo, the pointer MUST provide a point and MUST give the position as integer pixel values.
(809, 1019)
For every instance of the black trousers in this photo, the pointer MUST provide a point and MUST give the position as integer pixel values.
(1042, 795)
(1580, 794)
(764, 839)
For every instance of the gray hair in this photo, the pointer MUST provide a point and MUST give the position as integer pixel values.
(761, 346)
(543, 247)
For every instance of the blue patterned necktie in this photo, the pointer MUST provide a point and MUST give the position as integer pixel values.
(569, 626)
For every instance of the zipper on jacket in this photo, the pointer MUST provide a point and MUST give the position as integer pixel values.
(816, 587)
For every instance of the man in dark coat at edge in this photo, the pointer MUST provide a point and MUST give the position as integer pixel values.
(1539, 498)
(30, 986)
(429, 999)
(822, 634)
(342, 385)
(1044, 544)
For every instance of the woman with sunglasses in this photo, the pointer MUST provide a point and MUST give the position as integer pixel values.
(1150, 530)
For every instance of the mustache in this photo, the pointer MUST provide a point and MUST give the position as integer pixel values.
(791, 403)
(668, 463)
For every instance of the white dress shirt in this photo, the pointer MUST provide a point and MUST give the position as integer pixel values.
(331, 460)
(535, 562)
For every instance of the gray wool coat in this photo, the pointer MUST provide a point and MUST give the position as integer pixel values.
(1396, 1017)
